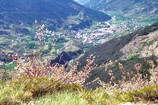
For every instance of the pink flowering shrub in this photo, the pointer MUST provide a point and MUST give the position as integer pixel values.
(32, 67)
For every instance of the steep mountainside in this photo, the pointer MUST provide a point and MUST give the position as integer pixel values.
(139, 47)
(126, 6)
(117, 48)
(54, 13)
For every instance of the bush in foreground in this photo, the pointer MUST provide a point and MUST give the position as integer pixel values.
(26, 89)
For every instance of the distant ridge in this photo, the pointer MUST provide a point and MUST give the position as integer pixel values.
(54, 13)
(126, 6)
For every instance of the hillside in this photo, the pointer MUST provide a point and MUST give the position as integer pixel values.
(59, 52)
(139, 47)
(111, 50)
(139, 11)
(131, 59)
(19, 20)
(56, 14)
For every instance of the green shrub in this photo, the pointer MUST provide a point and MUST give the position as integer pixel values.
(134, 57)
(9, 66)
(148, 93)
(25, 89)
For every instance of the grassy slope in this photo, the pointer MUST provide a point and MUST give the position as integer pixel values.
(33, 92)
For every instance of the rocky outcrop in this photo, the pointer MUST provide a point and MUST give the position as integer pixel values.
(4, 57)
(65, 57)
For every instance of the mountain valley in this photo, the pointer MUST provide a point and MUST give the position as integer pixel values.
(78, 52)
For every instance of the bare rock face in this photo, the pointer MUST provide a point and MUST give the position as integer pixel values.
(65, 57)
(4, 57)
